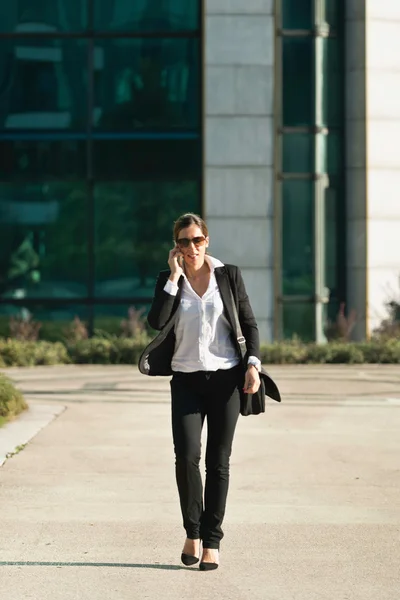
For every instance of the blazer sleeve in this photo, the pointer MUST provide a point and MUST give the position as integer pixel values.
(162, 306)
(246, 318)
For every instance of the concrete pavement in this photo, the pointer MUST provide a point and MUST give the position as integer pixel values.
(89, 508)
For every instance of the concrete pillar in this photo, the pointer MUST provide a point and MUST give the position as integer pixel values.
(383, 155)
(373, 158)
(356, 196)
(239, 136)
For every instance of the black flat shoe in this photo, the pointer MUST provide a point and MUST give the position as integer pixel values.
(207, 566)
(189, 560)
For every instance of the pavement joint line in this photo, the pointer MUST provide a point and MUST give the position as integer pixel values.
(22, 563)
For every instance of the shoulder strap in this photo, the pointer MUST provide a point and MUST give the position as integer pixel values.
(239, 335)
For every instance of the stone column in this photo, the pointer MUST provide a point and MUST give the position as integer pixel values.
(239, 142)
(356, 163)
(373, 158)
(383, 155)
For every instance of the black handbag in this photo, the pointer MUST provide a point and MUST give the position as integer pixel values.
(253, 404)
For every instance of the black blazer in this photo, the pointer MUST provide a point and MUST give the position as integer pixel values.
(157, 357)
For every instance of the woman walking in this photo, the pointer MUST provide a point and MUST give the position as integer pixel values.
(192, 305)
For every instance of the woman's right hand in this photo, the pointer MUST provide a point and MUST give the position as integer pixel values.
(175, 260)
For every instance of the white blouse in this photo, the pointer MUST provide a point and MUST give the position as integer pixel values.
(203, 334)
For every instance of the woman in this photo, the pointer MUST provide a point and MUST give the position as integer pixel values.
(192, 306)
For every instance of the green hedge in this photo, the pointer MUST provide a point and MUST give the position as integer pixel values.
(106, 351)
(14, 353)
(11, 400)
(296, 353)
(117, 350)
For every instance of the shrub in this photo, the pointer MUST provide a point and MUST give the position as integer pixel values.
(11, 400)
(15, 353)
(110, 351)
(94, 351)
(383, 352)
(129, 350)
(48, 353)
(135, 325)
(342, 353)
(76, 331)
(390, 327)
(284, 353)
(342, 327)
(24, 328)
(124, 350)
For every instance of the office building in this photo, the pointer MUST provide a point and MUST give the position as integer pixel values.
(277, 121)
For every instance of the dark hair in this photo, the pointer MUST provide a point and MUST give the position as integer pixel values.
(185, 221)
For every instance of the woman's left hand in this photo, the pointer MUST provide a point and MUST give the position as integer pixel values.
(252, 380)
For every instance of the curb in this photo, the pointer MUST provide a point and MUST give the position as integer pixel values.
(16, 434)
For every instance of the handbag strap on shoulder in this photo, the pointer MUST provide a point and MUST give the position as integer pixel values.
(239, 335)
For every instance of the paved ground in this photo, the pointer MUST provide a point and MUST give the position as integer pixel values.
(89, 509)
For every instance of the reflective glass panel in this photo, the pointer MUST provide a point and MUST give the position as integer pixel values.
(332, 90)
(133, 223)
(332, 12)
(297, 14)
(298, 81)
(38, 16)
(147, 159)
(24, 160)
(146, 84)
(298, 153)
(298, 236)
(43, 240)
(331, 241)
(299, 321)
(146, 15)
(43, 84)
(58, 322)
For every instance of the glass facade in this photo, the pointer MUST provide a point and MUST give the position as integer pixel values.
(100, 150)
(310, 168)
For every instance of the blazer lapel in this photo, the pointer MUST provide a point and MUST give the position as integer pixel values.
(222, 278)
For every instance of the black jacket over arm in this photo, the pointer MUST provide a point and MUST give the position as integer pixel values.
(156, 360)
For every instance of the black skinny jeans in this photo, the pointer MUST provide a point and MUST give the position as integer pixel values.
(195, 396)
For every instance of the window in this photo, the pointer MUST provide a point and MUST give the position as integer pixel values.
(311, 169)
(297, 238)
(297, 14)
(44, 16)
(146, 159)
(43, 251)
(298, 153)
(146, 15)
(299, 321)
(298, 81)
(146, 84)
(133, 232)
(100, 151)
(42, 159)
(43, 84)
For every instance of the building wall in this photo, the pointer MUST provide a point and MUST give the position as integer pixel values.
(373, 158)
(239, 134)
(383, 155)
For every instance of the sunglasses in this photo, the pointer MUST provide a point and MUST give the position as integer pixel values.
(185, 242)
